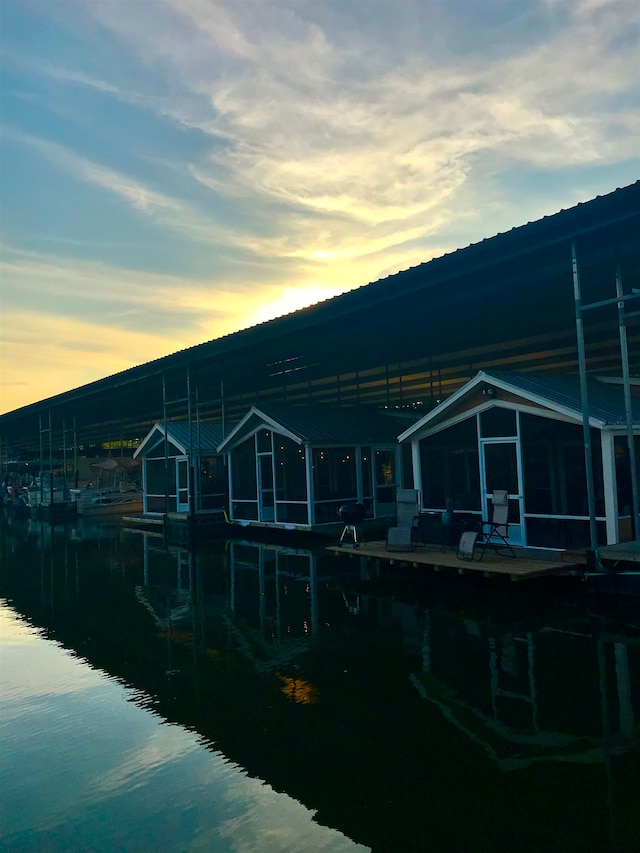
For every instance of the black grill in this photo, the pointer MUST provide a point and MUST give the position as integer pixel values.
(352, 514)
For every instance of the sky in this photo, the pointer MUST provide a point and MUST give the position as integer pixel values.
(176, 170)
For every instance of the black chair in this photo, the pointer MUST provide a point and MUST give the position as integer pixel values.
(489, 534)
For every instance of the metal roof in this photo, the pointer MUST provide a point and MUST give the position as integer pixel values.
(606, 401)
(413, 337)
(556, 392)
(205, 437)
(319, 425)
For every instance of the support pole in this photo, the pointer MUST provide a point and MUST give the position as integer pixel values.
(166, 449)
(41, 459)
(192, 474)
(582, 364)
(50, 464)
(635, 525)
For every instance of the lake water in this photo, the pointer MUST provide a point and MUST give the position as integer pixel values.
(245, 697)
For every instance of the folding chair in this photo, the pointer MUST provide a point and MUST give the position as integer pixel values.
(494, 533)
(467, 544)
(403, 535)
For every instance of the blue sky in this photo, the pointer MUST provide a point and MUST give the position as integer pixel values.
(172, 171)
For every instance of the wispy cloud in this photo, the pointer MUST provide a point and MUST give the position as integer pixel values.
(276, 153)
(400, 140)
(84, 169)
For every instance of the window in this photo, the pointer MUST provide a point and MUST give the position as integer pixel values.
(243, 471)
(498, 423)
(291, 470)
(450, 467)
(555, 479)
(334, 478)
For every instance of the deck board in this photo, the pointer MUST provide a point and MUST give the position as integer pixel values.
(626, 551)
(517, 569)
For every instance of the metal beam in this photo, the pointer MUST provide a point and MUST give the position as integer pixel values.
(582, 364)
(626, 381)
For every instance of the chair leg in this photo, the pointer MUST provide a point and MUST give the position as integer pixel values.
(487, 543)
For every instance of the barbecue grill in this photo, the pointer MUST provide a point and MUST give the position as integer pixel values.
(352, 515)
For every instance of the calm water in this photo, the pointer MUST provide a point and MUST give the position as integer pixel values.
(248, 698)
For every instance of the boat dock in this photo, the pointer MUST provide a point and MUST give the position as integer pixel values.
(432, 557)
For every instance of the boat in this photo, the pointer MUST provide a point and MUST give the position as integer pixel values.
(107, 501)
(119, 495)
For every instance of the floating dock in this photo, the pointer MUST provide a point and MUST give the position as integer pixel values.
(431, 557)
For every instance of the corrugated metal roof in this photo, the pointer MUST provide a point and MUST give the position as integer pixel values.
(206, 436)
(326, 425)
(606, 401)
(619, 205)
(417, 335)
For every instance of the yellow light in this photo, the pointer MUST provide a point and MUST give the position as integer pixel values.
(299, 691)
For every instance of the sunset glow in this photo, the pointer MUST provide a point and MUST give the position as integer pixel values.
(173, 172)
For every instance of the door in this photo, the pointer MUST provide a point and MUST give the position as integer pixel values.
(266, 502)
(182, 484)
(385, 483)
(501, 469)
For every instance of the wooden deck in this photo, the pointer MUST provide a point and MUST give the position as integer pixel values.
(430, 556)
(627, 552)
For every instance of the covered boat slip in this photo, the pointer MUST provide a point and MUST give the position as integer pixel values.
(472, 361)
(294, 468)
(408, 340)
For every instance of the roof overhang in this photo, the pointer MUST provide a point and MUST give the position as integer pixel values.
(158, 432)
(466, 402)
(250, 424)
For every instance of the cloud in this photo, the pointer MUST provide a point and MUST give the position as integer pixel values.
(82, 168)
(66, 322)
(313, 147)
(346, 165)
(385, 148)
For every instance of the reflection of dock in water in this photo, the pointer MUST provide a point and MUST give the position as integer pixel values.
(311, 681)
(517, 703)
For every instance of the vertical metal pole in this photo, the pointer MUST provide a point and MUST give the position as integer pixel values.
(582, 364)
(166, 448)
(41, 459)
(64, 456)
(224, 428)
(75, 455)
(386, 386)
(635, 526)
(50, 462)
(226, 458)
(199, 445)
(192, 476)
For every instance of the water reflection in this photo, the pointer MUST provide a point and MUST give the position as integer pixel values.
(403, 716)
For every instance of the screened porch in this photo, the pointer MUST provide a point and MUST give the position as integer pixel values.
(502, 433)
(290, 468)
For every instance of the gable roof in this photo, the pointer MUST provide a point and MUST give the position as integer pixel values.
(206, 437)
(318, 425)
(558, 392)
(606, 401)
